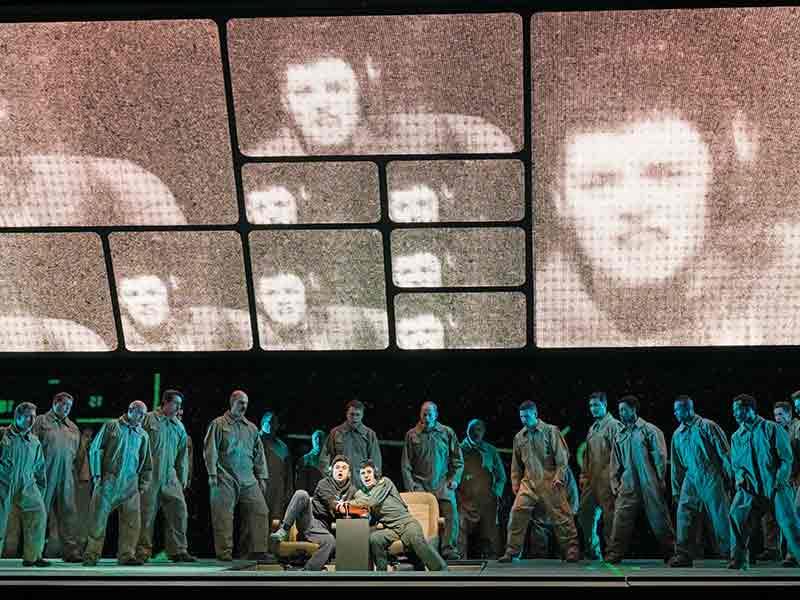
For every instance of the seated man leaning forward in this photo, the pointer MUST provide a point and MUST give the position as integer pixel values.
(314, 516)
(386, 507)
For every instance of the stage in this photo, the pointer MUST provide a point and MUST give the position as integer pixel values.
(210, 574)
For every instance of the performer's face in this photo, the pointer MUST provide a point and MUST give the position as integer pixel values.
(627, 413)
(323, 99)
(271, 206)
(24, 419)
(146, 299)
(415, 204)
(316, 441)
(782, 416)
(283, 297)
(682, 411)
(742, 413)
(267, 424)
(420, 332)
(368, 477)
(428, 415)
(421, 269)
(173, 406)
(355, 415)
(636, 197)
(598, 408)
(62, 406)
(529, 417)
(136, 413)
(341, 471)
(477, 431)
(239, 405)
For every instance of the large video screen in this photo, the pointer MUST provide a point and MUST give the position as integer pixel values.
(376, 183)
(665, 177)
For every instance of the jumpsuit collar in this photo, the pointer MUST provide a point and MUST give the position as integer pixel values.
(421, 427)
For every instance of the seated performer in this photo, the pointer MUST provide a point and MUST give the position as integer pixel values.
(314, 516)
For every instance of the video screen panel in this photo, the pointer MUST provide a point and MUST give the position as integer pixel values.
(181, 291)
(114, 123)
(665, 177)
(54, 294)
(315, 192)
(460, 321)
(410, 84)
(465, 190)
(463, 257)
(320, 290)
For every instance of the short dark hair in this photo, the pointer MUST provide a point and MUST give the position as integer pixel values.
(784, 405)
(62, 395)
(601, 396)
(528, 405)
(170, 396)
(630, 400)
(22, 407)
(684, 398)
(795, 395)
(746, 400)
(354, 404)
(371, 464)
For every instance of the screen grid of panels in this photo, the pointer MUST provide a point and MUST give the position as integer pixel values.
(414, 182)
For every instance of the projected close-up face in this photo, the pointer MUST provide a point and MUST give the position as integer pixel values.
(145, 299)
(636, 197)
(421, 269)
(274, 205)
(420, 332)
(283, 297)
(415, 204)
(322, 98)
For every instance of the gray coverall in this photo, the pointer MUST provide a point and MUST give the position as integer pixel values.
(701, 477)
(539, 458)
(761, 457)
(234, 455)
(541, 533)
(482, 483)
(169, 449)
(23, 484)
(595, 478)
(120, 456)
(388, 508)
(356, 443)
(638, 477)
(430, 459)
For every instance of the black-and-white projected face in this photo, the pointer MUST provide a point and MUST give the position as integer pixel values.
(419, 269)
(420, 332)
(414, 204)
(637, 197)
(322, 98)
(146, 299)
(405, 84)
(283, 296)
(320, 290)
(181, 291)
(311, 192)
(458, 190)
(460, 320)
(661, 174)
(275, 205)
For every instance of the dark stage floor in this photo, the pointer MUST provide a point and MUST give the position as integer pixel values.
(634, 574)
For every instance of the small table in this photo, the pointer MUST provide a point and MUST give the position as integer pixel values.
(352, 545)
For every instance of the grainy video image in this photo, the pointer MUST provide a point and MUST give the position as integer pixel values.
(414, 84)
(54, 294)
(458, 257)
(113, 123)
(665, 177)
(322, 192)
(320, 290)
(466, 190)
(460, 321)
(181, 291)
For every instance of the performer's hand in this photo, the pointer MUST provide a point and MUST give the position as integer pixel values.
(341, 507)
(557, 483)
(515, 488)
